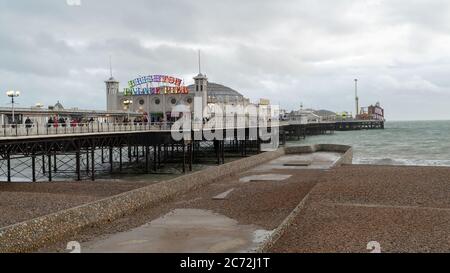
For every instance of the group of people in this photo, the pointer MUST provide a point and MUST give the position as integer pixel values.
(75, 122)
(65, 122)
(138, 120)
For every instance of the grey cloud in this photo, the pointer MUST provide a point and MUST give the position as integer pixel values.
(291, 51)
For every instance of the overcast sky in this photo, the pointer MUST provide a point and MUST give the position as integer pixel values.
(292, 52)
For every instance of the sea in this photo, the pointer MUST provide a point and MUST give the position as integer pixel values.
(417, 143)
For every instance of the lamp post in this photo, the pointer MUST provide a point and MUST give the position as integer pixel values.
(127, 104)
(12, 95)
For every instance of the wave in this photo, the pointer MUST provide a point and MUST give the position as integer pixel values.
(401, 162)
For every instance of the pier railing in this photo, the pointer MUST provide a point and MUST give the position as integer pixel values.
(13, 130)
(49, 129)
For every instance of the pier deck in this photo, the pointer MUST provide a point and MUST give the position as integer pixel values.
(81, 153)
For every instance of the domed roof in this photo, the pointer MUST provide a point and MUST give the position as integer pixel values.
(218, 90)
(58, 106)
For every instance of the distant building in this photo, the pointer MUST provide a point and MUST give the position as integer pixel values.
(303, 117)
(373, 112)
(325, 115)
(311, 116)
(376, 112)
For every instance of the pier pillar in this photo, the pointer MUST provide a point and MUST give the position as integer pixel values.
(184, 157)
(147, 154)
(55, 168)
(50, 166)
(120, 159)
(93, 161)
(78, 165)
(33, 167)
(223, 151)
(136, 153)
(129, 153)
(87, 161)
(191, 155)
(111, 159)
(155, 158)
(44, 171)
(217, 150)
(159, 155)
(8, 156)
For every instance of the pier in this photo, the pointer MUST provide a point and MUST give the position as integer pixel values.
(88, 151)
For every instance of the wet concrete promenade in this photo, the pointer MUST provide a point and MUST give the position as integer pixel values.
(237, 214)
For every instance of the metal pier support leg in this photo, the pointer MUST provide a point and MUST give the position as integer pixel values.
(136, 153)
(111, 161)
(184, 158)
(50, 167)
(155, 159)
(166, 152)
(159, 156)
(245, 147)
(191, 155)
(147, 159)
(9, 166)
(44, 171)
(78, 165)
(223, 151)
(87, 162)
(258, 142)
(93, 161)
(129, 153)
(33, 167)
(55, 168)
(120, 159)
(217, 150)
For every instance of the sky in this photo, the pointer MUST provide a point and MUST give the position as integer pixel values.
(292, 52)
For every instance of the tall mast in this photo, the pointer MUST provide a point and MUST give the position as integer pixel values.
(356, 98)
(199, 62)
(110, 66)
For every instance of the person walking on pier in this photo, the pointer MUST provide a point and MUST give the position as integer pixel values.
(50, 122)
(28, 123)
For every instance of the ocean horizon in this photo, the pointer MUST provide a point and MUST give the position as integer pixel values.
(410, 143)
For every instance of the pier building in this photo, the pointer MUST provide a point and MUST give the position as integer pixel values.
(157, 95)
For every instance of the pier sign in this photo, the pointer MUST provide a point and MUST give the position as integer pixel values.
(165, 85)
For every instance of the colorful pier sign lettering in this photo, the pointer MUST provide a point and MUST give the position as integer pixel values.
(165, 85)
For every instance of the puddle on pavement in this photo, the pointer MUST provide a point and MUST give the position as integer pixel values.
(265, 177)
(184, 231)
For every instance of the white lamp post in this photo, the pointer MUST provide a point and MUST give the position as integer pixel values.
(128, 104)
(12, 95)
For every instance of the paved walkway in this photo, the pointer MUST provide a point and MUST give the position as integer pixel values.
(236, 214)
